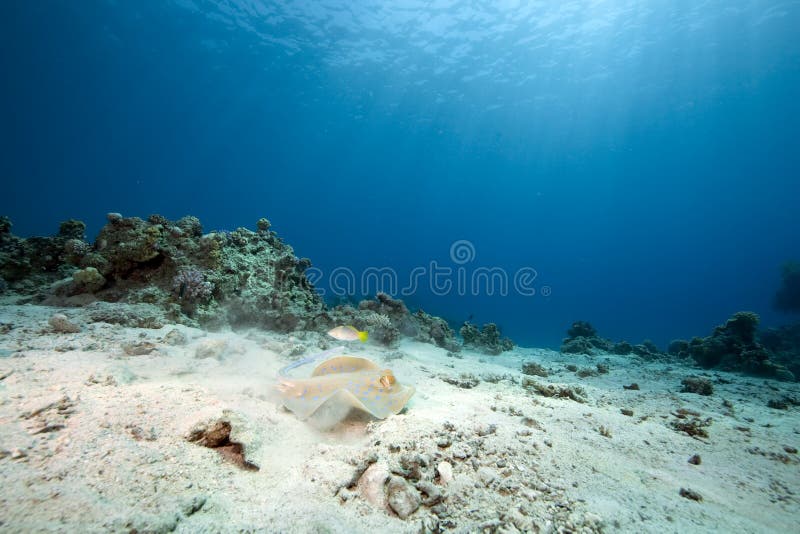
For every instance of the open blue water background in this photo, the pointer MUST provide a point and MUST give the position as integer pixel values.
(643, 156)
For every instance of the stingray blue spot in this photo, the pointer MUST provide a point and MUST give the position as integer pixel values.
(377, 397)
(314, 398)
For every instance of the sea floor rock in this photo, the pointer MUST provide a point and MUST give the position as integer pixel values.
(61, 324)
(402, 497)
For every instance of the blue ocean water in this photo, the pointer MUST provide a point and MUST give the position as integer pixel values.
(637, 161)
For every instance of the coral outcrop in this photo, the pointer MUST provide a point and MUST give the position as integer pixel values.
(27, 265)
(582, 338)
(239, 278)
(486, 339)
(733, 346)
(387, 319)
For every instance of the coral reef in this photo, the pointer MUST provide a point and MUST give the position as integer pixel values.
(734, 347)
(30, 265)
(388, 319)
(581, 329)
(241, 278)
(221, 279)
(582, 338)
(487, 339)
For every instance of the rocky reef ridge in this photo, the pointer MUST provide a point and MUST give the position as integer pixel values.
(235, 279)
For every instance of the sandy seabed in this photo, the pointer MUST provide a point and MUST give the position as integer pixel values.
(94, 427)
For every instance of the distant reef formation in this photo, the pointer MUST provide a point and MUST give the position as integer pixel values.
(582, 338)
(735, 346)
(236, 279)
(486, 339)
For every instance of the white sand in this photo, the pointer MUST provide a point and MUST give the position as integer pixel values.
(93, 439)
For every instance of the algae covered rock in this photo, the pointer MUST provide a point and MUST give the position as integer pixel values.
(61, 324)
(402, 497)
(87, 280)
(697, 384)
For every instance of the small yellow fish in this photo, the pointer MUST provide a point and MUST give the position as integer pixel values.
(348, 333)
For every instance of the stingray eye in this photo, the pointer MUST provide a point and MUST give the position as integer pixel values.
(387, 379)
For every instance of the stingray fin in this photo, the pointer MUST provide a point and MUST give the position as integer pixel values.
(344, 364)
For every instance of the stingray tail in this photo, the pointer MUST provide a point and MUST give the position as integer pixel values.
(310, 359)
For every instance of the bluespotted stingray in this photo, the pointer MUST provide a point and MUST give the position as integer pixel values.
(346, 380)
